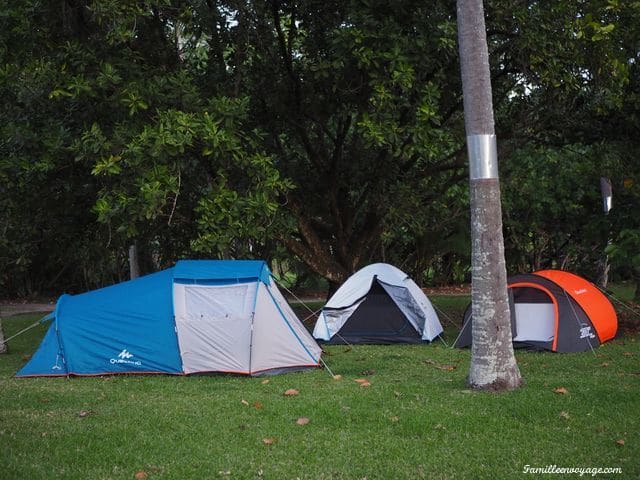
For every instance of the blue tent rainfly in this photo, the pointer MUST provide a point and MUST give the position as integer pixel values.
(199, 316)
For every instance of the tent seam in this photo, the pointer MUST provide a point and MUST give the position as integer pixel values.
(253, 317)
(282, 315)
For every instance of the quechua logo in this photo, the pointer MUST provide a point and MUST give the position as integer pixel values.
(125, 357)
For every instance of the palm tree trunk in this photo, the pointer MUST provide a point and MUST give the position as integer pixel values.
(493, 364)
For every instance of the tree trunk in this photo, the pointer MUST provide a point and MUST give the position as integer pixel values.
(134, 264)
(333, 288)
(603, 272)
(3, 346)
(493, 364)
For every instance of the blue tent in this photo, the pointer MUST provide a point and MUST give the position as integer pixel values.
(199, 316)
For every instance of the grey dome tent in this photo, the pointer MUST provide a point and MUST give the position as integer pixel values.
(378, 304)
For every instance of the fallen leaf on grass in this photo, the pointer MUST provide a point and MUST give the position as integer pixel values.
(604, 364)
(291, 392)
(363, 382)
(244, 402)
(628, 354)
(561, 390)
(84, 413)
(265, 381)
(440, 365)
(620, 442)
(564, 415)
(154, 468)
(257, 405)
(268, 441)
(337, 377)
(302, 421)
(141, 475)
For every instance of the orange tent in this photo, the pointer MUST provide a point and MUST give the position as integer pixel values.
(555, 310)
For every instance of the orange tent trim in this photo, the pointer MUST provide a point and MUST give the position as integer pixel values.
(597, 307)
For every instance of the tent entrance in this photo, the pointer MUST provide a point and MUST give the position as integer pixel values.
(377, 319)
(213, 323)
(535, 315)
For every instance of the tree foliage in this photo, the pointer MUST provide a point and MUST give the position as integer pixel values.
(565, 225)
(111, 124)
(330, 132)
(624, 221)
(355, 113)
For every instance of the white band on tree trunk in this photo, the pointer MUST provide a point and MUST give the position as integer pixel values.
(483, 156)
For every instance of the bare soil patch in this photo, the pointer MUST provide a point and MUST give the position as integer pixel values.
(11, 309)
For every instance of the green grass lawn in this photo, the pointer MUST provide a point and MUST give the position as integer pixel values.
(416, 419)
